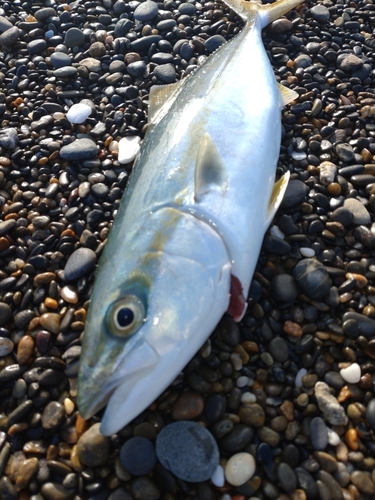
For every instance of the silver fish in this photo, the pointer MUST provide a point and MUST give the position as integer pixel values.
(188, 233)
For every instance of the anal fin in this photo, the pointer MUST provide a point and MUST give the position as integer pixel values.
(210, 172)
(277, 196)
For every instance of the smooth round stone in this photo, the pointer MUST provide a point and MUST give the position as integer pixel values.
(80, 149)
(138, 456)
(295, 192)
(278, 349)
(79, 263)
(362, 480)
(333, 438)
(302, 61)
(93, 448)
(137, 69)
(36, 46)
(74, 37)
(53, 415)
(146, 11)
(264, 454)
(51, 322)
(307, 252)
(239, 469)
(128, 148)
(327, 172)
(143, 488)
(351, 374)
(60, 59)
(237, 439)
(313, 278)
(56, 491)
(25, 349)
(320, 13)
(318, 434)
(359, 212)
(188, 450)
(287, 477)
(342, 215)
(214, 42)
(5, 313)
(214, 407)
(300, 374)
(349, 62)
(307, 483)
(284, 287)
(275, 245)
(10, 36)
(78, 113)
(252, 414)
(187, 8)
(6, 346)
(166, 73)
(188, 406)
(370, 413)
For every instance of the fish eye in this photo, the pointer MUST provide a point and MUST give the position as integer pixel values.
(126, 316)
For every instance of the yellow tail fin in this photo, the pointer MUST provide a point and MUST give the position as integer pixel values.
(267, 13)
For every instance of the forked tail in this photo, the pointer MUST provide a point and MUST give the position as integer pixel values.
(267, 13)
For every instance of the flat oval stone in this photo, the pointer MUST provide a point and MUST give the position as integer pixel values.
(79, 263)
(6, 346)
(188, 450)
(146, 11)
(53, 415)
(318, 434)
(188, 406)
(313, 278)
(80, 149)
(5, 313)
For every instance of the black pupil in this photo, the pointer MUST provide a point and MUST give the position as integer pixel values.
(125, 317)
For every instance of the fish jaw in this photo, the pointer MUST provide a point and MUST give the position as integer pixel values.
(188, 292)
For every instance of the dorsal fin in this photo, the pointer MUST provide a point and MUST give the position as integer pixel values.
(277, 196)
(287, 95)
(161, 99)
(210, 173)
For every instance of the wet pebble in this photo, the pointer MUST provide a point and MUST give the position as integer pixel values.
(93, 448)
(79, 263)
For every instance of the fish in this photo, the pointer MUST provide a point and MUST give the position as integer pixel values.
(186, 239)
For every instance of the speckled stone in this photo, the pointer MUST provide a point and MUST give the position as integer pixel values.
(333, 412)
(188, 450)
(93, 448)
(53, 415)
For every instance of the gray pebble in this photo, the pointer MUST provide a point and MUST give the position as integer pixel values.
(318, 434)
(80, 149)
(74, 38)
(10, 36)
(79, 263)
(313, 278)
(302, 61)
(146, 11)
(138, 456)
(284, 287)
(349, 62)
(165, 73)
(287, 477)
(278, 349)
(214, 42)
(5, 313)
(59, 59)
(333, 412)
(5, 24)
(364, 325)
(8, 138)
(320, 13)
(122, 27)
(370, 413)
(144, 489)
(295, 194)
(359, 212)
(36, 47)
(188, 450)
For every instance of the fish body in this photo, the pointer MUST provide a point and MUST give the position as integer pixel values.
(187, 236)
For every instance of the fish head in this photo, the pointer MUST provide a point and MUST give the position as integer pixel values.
(147, 320)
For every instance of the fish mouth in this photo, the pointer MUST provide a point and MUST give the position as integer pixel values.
(139, 362)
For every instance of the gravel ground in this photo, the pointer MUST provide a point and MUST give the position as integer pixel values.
(292, 385)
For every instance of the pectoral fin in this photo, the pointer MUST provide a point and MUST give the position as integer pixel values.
(287, 95)
(210, 171)
(277, 196)
(161, 99)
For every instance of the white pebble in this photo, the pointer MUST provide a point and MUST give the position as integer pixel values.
(58, 115)
(69, 294)
(6, 346)
(113, 146)
(78, 113)
(240, 468)
(248, 397)
(242, 381)
(333, 437)
(68, 406)
(128, 148)
(351, 374)
(307, 252)
(299, 377)
(218, 477)
(275, 231)
(236, 361)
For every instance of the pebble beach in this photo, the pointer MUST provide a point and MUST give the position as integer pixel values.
(280, 406)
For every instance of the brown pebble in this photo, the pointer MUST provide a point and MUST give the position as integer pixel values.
(326, 461)
(4, 243)
(243, 354)
(287, 409)
(279, 424)
(51, 322)
(51, 303)
(351, 439)
(25, 472)
(76, 464)
(25, 349)
(362, 480)
(252, 414)
(81, 425)
(93, 448)
(188, 406)
(44, 278)
(344, 395)
(250, 346)
(292, 329)
(334, 189)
